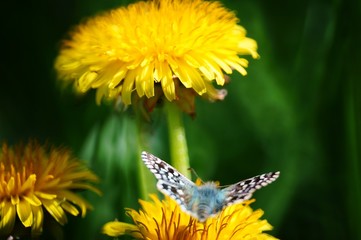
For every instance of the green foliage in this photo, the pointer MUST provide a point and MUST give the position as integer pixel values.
(297, 111)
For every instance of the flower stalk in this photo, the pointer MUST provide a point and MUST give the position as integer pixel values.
(177, 139)
(145, 178)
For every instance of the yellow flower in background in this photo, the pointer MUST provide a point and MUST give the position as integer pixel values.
(171, 48)
(164, 220)
(35, 181)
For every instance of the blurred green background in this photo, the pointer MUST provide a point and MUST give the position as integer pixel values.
(297, 111)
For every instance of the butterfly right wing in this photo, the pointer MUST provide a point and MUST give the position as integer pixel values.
(243, 190)
(170, 182)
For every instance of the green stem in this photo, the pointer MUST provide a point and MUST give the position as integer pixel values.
(353, 155)
(177, 139)
(146, 180)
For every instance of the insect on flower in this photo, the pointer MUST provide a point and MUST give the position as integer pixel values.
(206, 200)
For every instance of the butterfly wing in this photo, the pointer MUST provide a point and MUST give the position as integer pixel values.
(243, 190)
(170, 182)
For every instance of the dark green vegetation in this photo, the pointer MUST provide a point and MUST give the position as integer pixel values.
(297, 111)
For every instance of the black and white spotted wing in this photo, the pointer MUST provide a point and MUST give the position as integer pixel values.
(170, 181)
(243, 190)
(208, 199)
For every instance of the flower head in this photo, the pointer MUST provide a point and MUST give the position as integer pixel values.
(35, 181)
(164, 220)
(171, 48)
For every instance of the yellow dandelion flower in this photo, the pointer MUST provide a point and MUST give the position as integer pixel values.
(164, 220)
(156, 48)
(35, 181)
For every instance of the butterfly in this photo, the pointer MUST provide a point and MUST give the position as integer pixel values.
(206, 200)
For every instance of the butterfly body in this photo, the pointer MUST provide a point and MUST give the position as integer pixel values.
(204, 201)
(208, 199)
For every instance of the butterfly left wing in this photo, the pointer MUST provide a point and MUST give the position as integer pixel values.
(243, 190)
(170, 182)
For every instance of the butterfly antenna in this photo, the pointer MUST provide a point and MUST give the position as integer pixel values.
(195, 174)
